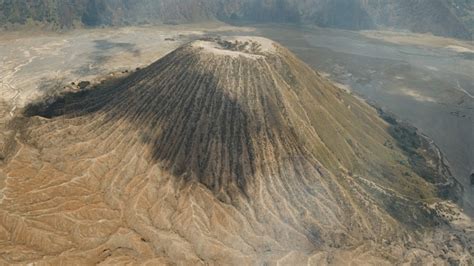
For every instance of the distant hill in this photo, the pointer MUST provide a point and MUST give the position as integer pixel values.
(452, 18)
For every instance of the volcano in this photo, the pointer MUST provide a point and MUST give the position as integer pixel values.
(227, 151)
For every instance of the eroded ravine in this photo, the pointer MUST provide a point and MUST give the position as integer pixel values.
(225, 151)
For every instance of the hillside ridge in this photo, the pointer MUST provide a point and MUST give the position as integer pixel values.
(228, 150)
(450, 18)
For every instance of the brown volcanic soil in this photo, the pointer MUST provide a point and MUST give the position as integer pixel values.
(225, 151)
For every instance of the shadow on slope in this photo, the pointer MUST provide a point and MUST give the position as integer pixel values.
(193, 127)
(197, 129)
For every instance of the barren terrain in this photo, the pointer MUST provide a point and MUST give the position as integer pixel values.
(225, 151)
(423, 79)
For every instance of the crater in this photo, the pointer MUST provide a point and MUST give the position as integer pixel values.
(247, 46)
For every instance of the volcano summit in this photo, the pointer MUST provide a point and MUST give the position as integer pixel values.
(225, 151)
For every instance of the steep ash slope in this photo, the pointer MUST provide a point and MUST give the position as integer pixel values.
(225, 151)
